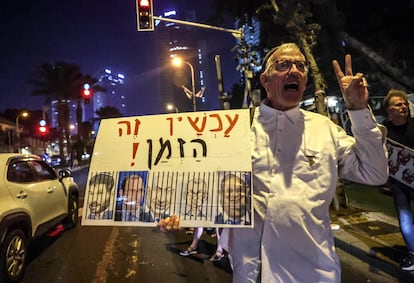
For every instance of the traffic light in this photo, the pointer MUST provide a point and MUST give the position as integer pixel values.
(86, 93)
(145, 20)
(43, 128)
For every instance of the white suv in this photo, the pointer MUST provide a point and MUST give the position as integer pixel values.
(34, 198)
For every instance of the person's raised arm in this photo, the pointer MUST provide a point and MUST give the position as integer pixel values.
(354, 88)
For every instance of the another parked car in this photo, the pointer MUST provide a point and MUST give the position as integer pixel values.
(58, 160)
(34, 198)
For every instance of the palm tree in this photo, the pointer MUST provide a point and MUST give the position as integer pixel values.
(61, 82)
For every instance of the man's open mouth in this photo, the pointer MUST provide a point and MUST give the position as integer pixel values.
(292, 86)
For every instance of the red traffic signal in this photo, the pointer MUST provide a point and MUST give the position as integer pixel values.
(87, 93)
(145, 19)
(43, 128)
(144, 3)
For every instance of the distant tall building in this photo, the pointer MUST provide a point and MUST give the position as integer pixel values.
(108, 79)
(181, 41)
(113, 96)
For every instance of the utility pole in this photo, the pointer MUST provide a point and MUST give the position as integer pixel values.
(242, 51)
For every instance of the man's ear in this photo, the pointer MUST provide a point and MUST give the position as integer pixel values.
(264, 79)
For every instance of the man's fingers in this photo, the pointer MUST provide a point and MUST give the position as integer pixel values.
(337, 69)
(176, 224)
(169, 224)
(338, 73)
(348, 65)
(358, 81)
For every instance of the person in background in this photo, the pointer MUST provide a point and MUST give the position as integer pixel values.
(196, 199)
(297, 157)
(400, 128)
(192, 249)
(74, 159)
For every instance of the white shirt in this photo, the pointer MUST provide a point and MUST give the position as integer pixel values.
(296, 157)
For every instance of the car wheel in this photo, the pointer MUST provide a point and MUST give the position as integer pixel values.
(13, 257)
(73, 213)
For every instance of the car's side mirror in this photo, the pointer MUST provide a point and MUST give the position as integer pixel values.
(65, 173)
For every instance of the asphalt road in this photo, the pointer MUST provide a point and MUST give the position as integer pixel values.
(132, 254)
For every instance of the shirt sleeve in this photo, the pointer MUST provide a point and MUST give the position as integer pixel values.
(364, 158)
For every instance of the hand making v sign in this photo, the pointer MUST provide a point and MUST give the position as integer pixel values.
(354, 88)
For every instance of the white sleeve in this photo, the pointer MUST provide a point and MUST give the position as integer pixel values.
(363, 158)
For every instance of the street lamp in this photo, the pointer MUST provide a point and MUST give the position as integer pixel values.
(171, 107)
(23, 114)
(177, 61)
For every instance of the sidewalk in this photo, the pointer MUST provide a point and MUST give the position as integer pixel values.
(372, 237)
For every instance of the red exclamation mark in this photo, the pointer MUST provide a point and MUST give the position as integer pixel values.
(134, 152)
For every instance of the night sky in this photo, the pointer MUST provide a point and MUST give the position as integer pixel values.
(95, 35)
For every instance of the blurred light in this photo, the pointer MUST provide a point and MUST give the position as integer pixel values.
(144, 3)
(170, 13)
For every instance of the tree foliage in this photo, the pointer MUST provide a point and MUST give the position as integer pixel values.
(61, 82)
(377, 33)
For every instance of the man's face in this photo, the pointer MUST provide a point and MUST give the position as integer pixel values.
(133, 190)
(397, 109)
(286, 78)
(234, 197)
(100, 198)
(195, 195)
(160, 195)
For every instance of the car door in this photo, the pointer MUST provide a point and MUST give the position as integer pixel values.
(32, 194)
(56, 193)
(28, 194)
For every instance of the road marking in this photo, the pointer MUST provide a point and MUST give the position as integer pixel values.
(101, 274)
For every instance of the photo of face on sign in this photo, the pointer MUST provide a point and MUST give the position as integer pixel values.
(100, 196)
(160, 194)
(196, 197)
(234, 199)
(130, 200)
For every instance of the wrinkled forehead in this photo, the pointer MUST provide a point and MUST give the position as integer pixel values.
(395, 99)
(287, 52)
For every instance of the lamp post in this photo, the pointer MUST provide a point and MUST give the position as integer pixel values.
(22, 114)
(171, 107)
(177, 61)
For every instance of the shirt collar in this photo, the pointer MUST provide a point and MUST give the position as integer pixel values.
(267, 113)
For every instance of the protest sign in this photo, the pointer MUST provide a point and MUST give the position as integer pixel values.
(196, 165)
(401, 162)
